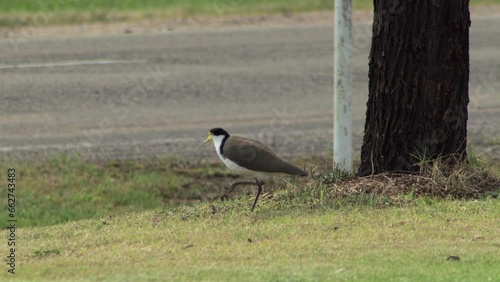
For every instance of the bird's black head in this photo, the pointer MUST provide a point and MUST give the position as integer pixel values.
(217, 131)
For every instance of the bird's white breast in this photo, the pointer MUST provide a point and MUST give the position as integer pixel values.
(234, 166)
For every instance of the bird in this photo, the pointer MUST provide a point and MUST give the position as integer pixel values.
(251, 158)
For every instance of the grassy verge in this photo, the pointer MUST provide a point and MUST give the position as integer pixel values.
(67, 188)
(54, 12)
(313, 229)
(224, 242)
(41, 13)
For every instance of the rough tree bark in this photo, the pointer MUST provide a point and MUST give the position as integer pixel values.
(419, 83)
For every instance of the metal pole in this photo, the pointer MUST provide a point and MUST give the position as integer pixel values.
(342, 123)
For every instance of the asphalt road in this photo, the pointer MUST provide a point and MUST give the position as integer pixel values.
(136, 95)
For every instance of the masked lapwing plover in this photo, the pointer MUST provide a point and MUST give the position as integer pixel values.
(249, 157)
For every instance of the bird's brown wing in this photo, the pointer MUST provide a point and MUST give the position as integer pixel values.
(256, 156)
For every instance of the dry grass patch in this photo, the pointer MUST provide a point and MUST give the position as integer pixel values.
(462, 181)
(436, 181)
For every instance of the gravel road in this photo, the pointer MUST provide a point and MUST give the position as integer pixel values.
(157, 94)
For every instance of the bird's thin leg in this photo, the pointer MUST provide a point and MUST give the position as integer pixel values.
(258, 193)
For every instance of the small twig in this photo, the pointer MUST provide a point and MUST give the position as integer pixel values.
(313, 171)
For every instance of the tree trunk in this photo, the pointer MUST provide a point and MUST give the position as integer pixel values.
(419, 83)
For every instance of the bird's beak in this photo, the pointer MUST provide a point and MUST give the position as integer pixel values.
(209, 138)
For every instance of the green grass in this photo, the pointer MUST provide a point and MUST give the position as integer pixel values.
(222, 241)
(68, 188)
(120, 220)
(201, 6)
(41, 13)
(204, 7)
(53, 12)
